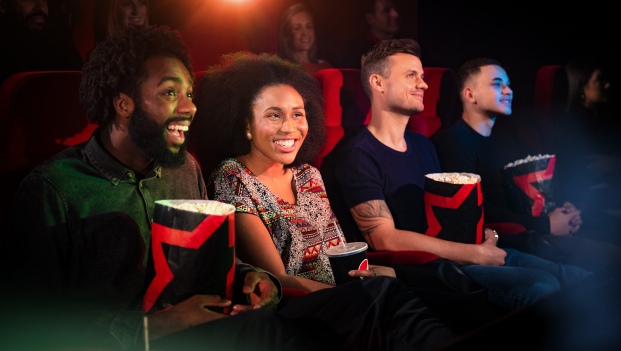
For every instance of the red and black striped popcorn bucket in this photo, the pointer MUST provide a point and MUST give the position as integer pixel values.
(528, 185)
(454, 210)
(193, 253)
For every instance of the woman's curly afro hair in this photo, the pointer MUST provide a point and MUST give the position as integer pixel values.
(118, 66)
(224, 99)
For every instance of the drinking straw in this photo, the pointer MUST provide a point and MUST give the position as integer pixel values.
(145, 326)
(339, 233)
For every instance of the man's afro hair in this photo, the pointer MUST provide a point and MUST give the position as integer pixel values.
(118, 66)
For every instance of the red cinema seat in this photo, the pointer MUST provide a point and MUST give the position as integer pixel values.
(442, 106)
(83, 35)
(551, 89)
(345, 103)
(42, 113)
(206, 49)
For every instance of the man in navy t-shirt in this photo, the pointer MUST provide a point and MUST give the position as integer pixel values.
(381, 174)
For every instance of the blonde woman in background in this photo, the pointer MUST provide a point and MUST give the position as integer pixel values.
(118, 15)
(296, 39)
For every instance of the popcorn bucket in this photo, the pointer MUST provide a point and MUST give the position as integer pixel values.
(454, 207)
(193, 253)
(528, 184)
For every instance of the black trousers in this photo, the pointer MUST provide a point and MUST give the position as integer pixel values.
(375, 314)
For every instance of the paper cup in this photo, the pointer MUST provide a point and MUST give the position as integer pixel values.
(193, 253)
(344, 259)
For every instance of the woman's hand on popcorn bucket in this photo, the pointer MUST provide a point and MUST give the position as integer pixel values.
(261, 291)
(374, 271)
(185, 314)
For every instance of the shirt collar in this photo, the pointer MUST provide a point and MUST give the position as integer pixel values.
(108, 165)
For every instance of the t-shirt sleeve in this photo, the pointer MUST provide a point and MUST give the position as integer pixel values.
(229, 188)
(455, 154)
(360, 176)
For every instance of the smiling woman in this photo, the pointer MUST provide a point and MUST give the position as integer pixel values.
(267, 116)
(296, 39)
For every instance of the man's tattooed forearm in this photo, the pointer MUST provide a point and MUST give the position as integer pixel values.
(369, 215)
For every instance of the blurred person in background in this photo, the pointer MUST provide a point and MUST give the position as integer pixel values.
(589, 150)
(119, 14)
(29, 43)
(383, 19)
(296, 39)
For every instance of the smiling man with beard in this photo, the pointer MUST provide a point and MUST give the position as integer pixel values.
(78, 242)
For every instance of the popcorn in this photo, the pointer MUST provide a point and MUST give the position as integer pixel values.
(210, 208)
(528, 158)
(455, 178)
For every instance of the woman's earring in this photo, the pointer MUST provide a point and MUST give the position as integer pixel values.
(248, 135)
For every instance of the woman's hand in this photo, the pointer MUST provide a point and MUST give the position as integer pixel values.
(374, 271)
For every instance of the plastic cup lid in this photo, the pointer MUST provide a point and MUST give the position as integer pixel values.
(348, 250)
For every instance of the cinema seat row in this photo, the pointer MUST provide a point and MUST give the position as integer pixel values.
(44, 117)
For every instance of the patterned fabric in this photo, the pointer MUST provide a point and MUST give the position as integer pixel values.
(301, 232)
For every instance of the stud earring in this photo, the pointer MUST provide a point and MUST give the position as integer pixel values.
(248, 135)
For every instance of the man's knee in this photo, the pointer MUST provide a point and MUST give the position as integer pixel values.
(538, 284)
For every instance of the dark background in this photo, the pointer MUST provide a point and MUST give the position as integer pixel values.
(522, 35)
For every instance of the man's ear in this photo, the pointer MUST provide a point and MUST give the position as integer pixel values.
(377, 82)
(370, 19)
(468, 95)
(124, 106)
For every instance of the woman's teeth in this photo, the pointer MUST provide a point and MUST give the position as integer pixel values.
(285, 143)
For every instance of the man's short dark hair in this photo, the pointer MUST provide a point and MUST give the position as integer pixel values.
(376, 60)
(471, 68)
(224, 105)
(118, 66)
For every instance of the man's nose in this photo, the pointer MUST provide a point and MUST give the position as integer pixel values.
(422, 85)
(506, 90)
(186, 106)
(134, 9)
(394, 13)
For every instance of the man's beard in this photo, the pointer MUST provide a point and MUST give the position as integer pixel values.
(35, 26)
(150, 137)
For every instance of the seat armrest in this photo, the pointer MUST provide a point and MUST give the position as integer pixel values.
(387, 258)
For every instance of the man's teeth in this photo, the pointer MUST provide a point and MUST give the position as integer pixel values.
(178, 127)
(285, 143)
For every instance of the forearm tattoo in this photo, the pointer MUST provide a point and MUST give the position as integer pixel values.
(369, 215)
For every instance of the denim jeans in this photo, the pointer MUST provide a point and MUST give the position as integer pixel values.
(523, 279)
